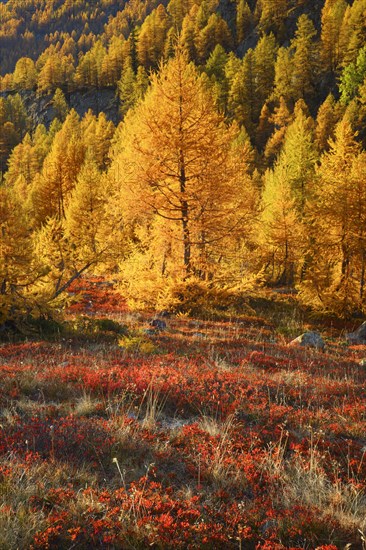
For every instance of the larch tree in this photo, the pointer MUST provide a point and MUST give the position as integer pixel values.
(264, 62)
(353, 31)
(244, 20)
(280, 236)
(25, 74)
(241, 98)
(273, 14)
(286, 190)
(15, 256)
(176, 173)
(51, 188)
(283, 81)
(331, 43)
(84, 217)
(60, 105)
(299, 155)
(22, 167)
(325, 122)
(353, 77)
(281, 118)
(305, 59)
(97, 133)
(335, 279)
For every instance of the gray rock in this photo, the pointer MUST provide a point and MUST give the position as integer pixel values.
(358, 336)
(40, 108)
(310, 340)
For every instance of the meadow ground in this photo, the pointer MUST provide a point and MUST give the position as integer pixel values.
(212, 434)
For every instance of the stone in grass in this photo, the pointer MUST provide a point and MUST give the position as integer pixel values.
(158, 324)
(309, 340)
(358, 336)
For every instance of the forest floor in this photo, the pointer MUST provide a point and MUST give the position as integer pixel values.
(209, 434)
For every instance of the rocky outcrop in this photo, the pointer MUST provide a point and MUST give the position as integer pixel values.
(310, 340)
(40, 110)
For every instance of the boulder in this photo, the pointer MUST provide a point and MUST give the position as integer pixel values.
(310, 340)
(358, 336)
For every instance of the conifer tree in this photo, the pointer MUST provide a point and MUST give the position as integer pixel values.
(126, 90)
(283, 80)
(305, 59)
(331, 43)
(97, 134)
(280, 235)
(51, 189)
(325, 122)
(188, 37)
(176, 164)
(23, 166)
(244, 20)
(25, 74)
(15, 257)
(336, 276)
(60, 105)
(298, 155)
(281, 118)
(353, 31)
(264, 56)
(273, 14)
(241, 99)
(353, 77)
(84, 218)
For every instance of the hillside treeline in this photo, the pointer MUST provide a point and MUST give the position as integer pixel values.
(239, 158)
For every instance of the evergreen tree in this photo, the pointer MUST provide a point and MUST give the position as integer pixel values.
(353, 77)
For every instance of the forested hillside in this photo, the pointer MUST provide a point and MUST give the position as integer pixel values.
(224, 145)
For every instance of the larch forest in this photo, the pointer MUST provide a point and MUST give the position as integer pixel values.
(183, 274)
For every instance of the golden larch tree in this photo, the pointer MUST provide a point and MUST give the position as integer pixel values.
(175, 162)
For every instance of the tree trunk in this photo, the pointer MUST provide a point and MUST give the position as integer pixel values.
(185, 218)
